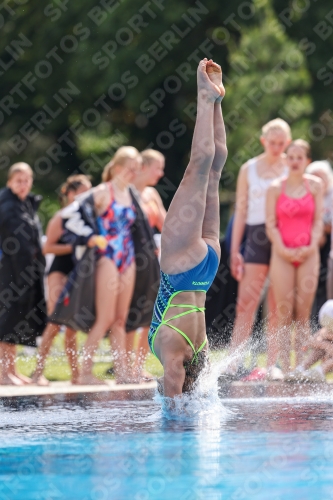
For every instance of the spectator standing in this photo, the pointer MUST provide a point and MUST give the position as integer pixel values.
(114, 214)
(58, 273)
(147, 276)
(23, 310)
(294, 226)
(251, 271)
(152, 171)
(323, 170)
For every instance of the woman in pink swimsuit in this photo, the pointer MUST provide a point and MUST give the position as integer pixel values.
(294, 226)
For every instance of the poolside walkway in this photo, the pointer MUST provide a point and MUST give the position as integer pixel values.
(263, 389)
(234, 390)
(10, 391)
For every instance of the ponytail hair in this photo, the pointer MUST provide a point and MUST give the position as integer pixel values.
(121, 156)
(151, 155)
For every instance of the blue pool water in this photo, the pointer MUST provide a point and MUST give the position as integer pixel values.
(264, 448)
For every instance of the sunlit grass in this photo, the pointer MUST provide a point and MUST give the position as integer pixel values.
(58, 369)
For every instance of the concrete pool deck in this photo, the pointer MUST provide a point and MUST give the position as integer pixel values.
(262, 389)
(10, 391)
(111, 390)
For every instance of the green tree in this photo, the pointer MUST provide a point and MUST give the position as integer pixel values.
(310, 25)
(101, 75)
(268, 78)
(80, 78)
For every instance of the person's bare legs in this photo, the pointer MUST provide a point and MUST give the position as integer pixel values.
(141, 352)
(271, 330)
(283, 279)
(11, 376)
(56, 283)
(130, 340)
(131, 350)
(306, 283)
(107, 282)
(71, 351)
(7, 368)
(182, 246)
(49, 334)
(122, 367)
(22, 378)
(248, 298)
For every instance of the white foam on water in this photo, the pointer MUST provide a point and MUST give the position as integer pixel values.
(206, 409)
(203, 403)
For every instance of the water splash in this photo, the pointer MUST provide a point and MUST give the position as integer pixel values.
(203, 403)
(206, 409)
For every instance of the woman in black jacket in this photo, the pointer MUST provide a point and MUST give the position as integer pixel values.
(22, 300)
(58, 274)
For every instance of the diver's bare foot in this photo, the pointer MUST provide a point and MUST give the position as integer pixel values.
(206, 87)
(10, 379)
(214, 73)
(89, 380)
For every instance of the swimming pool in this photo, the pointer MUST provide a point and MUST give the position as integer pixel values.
(92, 449)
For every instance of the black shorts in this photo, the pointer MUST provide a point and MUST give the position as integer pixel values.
(62, 264)
(257, 245)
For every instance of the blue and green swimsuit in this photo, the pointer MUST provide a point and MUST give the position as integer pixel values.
(198, 279)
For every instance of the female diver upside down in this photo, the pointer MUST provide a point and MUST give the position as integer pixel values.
(190, 247)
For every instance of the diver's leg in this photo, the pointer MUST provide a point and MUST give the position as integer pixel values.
(211, 222)
(182, 246)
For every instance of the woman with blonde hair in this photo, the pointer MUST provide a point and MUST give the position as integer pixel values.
(251, 271)
(114, 213)
(147, 236)
(59, 271)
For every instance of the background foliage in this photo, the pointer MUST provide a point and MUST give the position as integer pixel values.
(129, 70)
